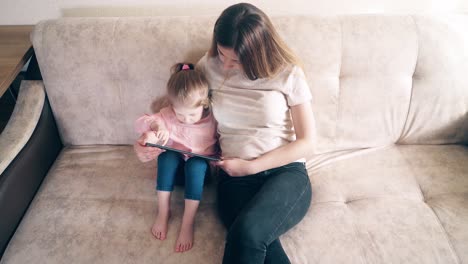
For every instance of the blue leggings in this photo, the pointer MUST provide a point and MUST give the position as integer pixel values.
(171, 163)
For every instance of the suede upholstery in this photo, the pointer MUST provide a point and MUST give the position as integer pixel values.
(23, 121)
(388, 168)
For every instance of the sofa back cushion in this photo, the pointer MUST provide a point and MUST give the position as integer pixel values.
(375, 79)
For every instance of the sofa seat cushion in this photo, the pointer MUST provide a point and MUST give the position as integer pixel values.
(97, 205)
(400, 204)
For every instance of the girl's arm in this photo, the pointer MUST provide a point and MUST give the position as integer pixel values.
(151, 129)
(149, 123)
(143, 153)
(157, 125)
(303, 121)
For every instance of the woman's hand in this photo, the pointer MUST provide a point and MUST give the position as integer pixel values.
(144, 153)
(237, 167)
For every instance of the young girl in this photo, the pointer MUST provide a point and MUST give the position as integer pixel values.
(187, 124)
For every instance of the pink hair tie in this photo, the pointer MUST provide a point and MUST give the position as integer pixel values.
(185, 67)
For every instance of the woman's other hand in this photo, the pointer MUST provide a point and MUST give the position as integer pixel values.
(237, 167)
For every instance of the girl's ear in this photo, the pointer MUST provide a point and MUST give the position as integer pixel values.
(206, 103)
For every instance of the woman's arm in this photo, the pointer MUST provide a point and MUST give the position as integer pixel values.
(303, 121)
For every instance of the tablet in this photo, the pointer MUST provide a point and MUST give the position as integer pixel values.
(183, 151)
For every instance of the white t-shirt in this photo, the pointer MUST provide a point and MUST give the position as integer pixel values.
(253, 116)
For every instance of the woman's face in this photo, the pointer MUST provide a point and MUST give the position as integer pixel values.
(229, 58)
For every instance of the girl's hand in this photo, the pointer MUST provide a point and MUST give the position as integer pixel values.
(155, 137)
(143, 153)
(237, 167)
(160, 131)
(163, 136)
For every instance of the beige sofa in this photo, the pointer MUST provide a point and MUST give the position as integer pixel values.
(389, 168)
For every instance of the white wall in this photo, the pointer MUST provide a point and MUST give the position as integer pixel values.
(31, 11)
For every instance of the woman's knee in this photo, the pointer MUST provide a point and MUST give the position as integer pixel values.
(247, 234)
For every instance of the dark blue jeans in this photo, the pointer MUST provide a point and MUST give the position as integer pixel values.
(257, 209)
(171, 163)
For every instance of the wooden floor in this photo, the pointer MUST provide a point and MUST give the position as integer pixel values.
(8, 100)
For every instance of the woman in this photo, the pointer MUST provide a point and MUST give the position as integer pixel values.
(262, 104)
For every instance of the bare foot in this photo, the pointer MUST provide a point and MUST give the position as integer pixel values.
(159, 228)
(185, 239)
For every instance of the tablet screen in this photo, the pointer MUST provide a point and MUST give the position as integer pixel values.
(182, 151)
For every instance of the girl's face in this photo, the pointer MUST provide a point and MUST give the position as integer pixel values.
(229, 58)
(187, 114)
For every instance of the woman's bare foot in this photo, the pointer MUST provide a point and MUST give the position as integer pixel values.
(159, 228)
(185, 239)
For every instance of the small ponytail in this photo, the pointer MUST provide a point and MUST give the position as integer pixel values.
(182, 67)
(184, 82)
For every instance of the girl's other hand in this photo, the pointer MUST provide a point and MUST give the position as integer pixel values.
(149, 137)
(144, 153)
(155, 137)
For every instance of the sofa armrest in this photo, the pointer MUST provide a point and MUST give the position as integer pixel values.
(22, 122)
(29, 145)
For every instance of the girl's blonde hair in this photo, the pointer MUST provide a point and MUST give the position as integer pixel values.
(188, 86)
(250, 33)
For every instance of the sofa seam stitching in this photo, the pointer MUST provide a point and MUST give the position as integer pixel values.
(418, 42)
(335, 141)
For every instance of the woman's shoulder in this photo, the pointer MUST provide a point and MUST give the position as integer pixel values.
(286, 77)
(290, 76)
(204, 62)
(201, 63)
(293, 71)
(207, 63)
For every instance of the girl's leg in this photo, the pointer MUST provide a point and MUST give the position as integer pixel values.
(185, 240)
(168, 164)
(159, 228)
(195, 170)
(281, 203)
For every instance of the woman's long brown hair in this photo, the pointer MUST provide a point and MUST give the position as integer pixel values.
(250, 33)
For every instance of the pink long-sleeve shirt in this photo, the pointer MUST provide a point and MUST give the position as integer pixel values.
(200, 138)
